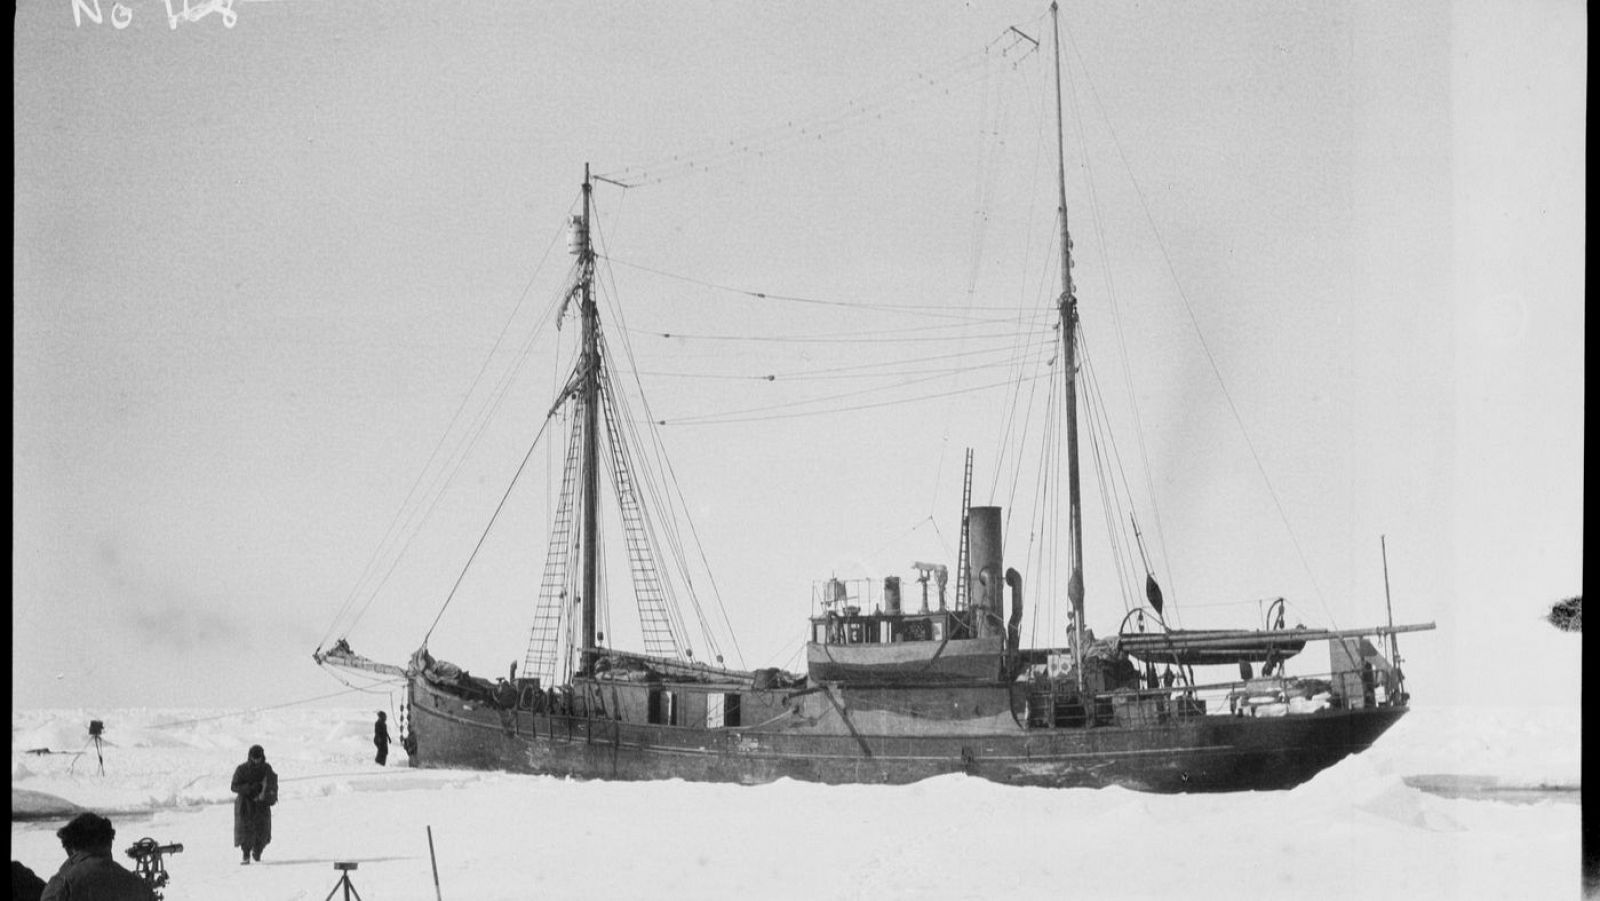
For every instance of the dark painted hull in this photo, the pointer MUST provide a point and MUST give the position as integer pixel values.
(1180, 754)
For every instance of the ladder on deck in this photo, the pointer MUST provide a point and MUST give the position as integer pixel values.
(961, 553)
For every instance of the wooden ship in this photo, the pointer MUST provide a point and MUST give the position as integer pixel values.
(894, 691)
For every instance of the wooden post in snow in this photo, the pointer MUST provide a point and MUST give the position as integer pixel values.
(435, 862)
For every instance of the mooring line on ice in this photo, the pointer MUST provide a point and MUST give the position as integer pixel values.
(250, 710)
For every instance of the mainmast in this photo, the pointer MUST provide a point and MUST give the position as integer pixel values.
(1069, 325)
(590, 391)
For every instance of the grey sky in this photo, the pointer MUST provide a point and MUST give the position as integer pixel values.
(257, 268)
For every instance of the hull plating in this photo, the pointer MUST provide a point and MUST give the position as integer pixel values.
(1188, 754)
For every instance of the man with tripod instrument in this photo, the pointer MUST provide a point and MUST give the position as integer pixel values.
(89, 871)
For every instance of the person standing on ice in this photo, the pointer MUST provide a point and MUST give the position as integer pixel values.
(380, 737)
(89, 871)
(255, 787)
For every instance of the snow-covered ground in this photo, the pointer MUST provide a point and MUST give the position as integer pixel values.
(1358, 830)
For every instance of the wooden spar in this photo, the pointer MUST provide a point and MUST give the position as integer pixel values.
(1258, 638)
(591, 453)
(350, 660)
(1394, 644)
(1069, 323)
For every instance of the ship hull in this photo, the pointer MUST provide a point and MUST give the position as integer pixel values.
(1206, 753)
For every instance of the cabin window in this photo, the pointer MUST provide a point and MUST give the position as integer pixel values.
(722, 710)
(853, 630)
(883, 632)
(916, 630)
(663, 708)
(938, 630)
(822, 632)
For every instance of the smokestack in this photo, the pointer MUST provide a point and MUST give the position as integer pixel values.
(985, 561)
(891, 594)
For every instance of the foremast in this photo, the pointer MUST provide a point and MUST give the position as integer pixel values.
(1068, 306)
(589, 390)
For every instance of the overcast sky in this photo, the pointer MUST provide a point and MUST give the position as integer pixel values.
(260, 270)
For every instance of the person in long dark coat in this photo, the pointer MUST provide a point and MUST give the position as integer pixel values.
(253, 780)
(380, 737)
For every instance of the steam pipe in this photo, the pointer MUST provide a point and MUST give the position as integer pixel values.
(1014, 624)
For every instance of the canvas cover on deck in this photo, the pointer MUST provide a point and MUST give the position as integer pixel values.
(1211, 647)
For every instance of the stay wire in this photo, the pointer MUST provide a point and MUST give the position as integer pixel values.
(481, 538)
(447, 475)
(1099, 431)
(929, 310)
(852, 336)
(391, 534)
(651, 475)
(1116, 317)
(1041, 289)
(898, 98)
(252, 710)
(1211, 360)
(831, 377)
(665, 469)
(733, 417)
(856, 370)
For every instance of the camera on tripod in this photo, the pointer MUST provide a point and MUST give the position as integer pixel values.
(97, 729)
(148, 865)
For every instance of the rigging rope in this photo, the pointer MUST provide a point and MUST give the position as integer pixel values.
(837, 338)
(664, 470)
(1103, 449)
(252, 710)
(1211, 359)
(479, 546)
(1046, 509)
(853, 336)
(858, 370)
(1102, 246)
(898, 99)
(930, 310)
(829, 377)
(402, 518)
(732, 417)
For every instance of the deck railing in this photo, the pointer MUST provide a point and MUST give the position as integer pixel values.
(1056, 704)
